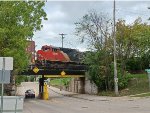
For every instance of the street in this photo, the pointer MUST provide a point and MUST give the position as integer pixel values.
(87, 104)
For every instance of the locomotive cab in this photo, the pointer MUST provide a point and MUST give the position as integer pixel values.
(46, 48)
(50, 48)
(51, 53)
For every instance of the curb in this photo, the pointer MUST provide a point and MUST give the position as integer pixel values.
(140, 94)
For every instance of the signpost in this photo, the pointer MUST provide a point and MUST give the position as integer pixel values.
(6, 64)
(148, 71)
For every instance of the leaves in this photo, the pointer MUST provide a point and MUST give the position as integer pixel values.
(132, 42)
(94, 29)
(18, 22)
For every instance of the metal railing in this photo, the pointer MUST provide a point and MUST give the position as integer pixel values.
(12, 104)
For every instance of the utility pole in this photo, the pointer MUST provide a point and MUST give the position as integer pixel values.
(149, 17)
(62, 35)
(115, 62)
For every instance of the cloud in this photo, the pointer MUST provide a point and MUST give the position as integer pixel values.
(63, 14)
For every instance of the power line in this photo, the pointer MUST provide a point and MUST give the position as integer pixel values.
(62, 36)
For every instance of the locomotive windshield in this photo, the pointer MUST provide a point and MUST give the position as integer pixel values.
(48, 48)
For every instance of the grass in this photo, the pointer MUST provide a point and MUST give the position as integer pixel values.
(142, 95)
(138, 86)
(60, 81)
(56, 82)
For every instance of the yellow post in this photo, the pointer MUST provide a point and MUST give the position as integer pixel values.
(45, 92)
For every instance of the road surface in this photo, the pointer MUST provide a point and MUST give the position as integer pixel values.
(64, 104)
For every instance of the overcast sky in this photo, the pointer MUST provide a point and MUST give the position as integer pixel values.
(62, 16)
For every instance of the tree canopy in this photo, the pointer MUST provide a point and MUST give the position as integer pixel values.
(132, 46)
(18, 22)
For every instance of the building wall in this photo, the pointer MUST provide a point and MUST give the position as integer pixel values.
(90, 87)
(31, 50)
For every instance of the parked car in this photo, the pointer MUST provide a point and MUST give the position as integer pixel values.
(30, 93)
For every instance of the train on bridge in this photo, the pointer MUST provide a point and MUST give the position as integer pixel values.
(50, 60)
(55, 62)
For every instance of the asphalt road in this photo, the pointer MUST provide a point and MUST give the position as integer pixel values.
(64, 104)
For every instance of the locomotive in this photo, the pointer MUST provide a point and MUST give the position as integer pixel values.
(50, 53)
(50, 57)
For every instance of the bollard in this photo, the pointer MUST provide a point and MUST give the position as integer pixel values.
(45, 92)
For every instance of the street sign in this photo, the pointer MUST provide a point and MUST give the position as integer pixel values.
(8, 63)
(63, 73)
(148, 71)
(6, 77)
(36, 70)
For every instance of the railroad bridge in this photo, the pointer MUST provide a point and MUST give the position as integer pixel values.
(53, 73)
(54, 62)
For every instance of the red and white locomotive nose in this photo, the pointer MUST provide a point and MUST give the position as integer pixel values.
(51, 53)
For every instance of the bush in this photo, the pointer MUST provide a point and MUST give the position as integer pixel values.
(66, 81)
(101, 72)
(123, 80)
(19, 79)
(32, 78)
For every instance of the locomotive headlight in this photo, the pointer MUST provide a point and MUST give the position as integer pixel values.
(39, 55)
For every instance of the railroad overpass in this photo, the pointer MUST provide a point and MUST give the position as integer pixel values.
(53, 73)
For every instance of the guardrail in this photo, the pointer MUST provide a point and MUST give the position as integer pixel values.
(12, 104)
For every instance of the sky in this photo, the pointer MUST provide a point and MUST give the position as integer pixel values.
(62, 16)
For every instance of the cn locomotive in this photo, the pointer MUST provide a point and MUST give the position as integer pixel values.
(50, 57)
(50, 53)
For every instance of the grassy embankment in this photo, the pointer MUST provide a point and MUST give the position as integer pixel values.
(138, 86)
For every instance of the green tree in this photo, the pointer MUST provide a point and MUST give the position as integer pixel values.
(132, 43)
(132, 48)
(95, 29)
(18, 22)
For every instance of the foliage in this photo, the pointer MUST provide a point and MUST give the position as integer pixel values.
(18, 21)
(137, 85)
(55, 82)
(93, 29)
(132, 45)
(123, 80)
(20, 79)
(32, 78)
(66, 81)
(98, 73)
(60, 82)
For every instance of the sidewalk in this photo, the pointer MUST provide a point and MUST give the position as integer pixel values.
(90, 97)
